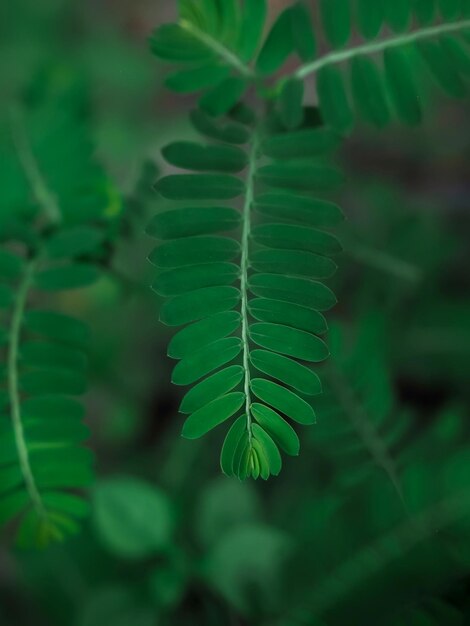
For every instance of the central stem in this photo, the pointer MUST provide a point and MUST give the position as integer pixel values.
(244, 276)
(13, 389)
(340, 56)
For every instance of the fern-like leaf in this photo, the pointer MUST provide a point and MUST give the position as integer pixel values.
(247, 281)
(51, 247)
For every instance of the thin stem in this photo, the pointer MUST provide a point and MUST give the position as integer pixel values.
(378, 46)
(385, 262)
(13, 388)
(244, 277)
(45, 199)
(226, 54)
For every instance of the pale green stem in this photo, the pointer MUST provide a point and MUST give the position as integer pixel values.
(244, 277)
(14, 392)
(378, 46)
(224, 53)
(385, 262)
(45, 199)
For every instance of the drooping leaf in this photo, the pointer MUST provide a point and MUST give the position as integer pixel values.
(212, 414)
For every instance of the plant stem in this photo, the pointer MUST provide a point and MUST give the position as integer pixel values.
(13, 388)
(45, 199)
(378, 46)
(385, 262)
(226, 54)
(244, 276)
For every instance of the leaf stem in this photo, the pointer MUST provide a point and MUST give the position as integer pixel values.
(340, 56)
(221, 50)
(13, 388)
(42, 194)
(244, 276)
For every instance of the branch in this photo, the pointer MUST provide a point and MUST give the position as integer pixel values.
(378, 46)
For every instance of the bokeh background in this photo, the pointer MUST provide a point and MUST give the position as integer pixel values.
(371, 521)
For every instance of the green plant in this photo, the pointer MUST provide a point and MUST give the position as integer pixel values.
(271, 297)
(53, 233)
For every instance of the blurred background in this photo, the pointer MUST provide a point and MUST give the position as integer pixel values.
(371, 522)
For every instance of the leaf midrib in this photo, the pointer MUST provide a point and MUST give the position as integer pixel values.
(341, 56)
(244, 265)
(14, 392)
(227, 55)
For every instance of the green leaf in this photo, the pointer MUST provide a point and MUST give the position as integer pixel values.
(301, 144)
(183, 279)
(281, 431)
(235, 435)
(45, 382)
(231, 132)
(370, 17)
(7, 297)
(172, 42)
(212, 414)
(200, 186)
(300, 176)
(219, 100)
(334, 104)
(52, 355)
(292, 262)
(190, 251)
(133, 519)
(450, 9)
(74, 241)
(398, 14)
(301, 291)
(293, 237)
(211, 388)
(290, 341)
(401, 86)
(73, 276)
(302, 31)
(197, 304)
(287, 371)
(291, 103)
(425, 10)
(278, 45)
(52, 407)
(11, 265)
(310, 211)
(457, 52)
(196, 336)
(198, 364)
(369, 93)
(270, 449)
(251, 31)
(442, 68)
(193, 221)
(283, 400)
(194, 156)
(196, 79)
(336, 18)
(57, 326)
(279, 312)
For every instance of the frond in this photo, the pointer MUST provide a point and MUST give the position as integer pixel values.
(376, 77)
(54, 247)
(357, 408)
(247, 283)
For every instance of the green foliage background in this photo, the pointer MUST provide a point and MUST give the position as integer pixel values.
(371, 522)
